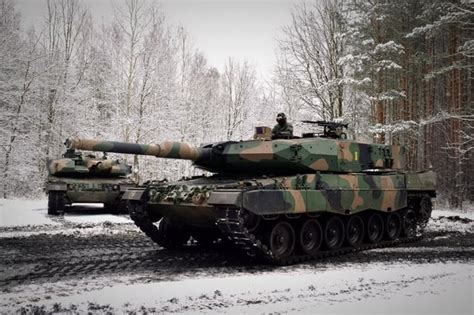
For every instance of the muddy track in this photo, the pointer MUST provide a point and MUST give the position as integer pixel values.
(58, 257)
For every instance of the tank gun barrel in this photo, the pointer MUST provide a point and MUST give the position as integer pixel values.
(167, 149)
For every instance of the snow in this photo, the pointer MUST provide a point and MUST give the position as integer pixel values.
(18, 212)
(389, 47)
(398, 288)
(452, 213)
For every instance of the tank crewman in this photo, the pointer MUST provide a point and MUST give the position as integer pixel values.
(282, 130)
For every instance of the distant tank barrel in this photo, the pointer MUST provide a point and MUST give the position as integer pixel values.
(167, 149)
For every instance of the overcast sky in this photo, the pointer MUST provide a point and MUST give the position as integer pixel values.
(243, 29)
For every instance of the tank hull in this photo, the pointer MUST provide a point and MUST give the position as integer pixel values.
(108, 191)
(248, 211)
(343, 194)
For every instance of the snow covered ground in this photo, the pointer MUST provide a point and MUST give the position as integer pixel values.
(361, 289)
(17, 212)
(433, 276)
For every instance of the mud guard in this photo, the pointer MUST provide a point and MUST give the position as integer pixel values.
(226, 197)
(424, 181)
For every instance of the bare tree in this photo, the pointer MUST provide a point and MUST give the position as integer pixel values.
(238, 88)
(311, 52)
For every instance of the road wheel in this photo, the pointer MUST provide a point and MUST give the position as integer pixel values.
(375, 228)
(56, 202)
(409, 223)
(334, 233)
(311, 237)
(393, 226)
(354, 231)
(171, 235)
(282, 240)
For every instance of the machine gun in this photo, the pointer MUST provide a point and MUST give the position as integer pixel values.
(332, 129)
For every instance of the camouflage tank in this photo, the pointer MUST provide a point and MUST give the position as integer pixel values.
(86, 179)
(284, 200)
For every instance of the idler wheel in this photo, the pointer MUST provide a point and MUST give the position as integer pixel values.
(354, 231)
(375, 228)
(334, 233)
(282, 240)
(311, 237)
(409, 223)
(424, 214)
(393, 226)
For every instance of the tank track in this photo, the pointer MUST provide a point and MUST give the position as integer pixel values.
(232, 225)
(141, 219)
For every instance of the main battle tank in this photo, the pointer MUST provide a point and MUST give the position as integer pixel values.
(284, 200)
(76, 178)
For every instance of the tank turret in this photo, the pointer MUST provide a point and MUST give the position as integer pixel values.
(75, 164)
(263, 156)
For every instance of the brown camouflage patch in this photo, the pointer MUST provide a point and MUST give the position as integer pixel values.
(379, 163)
(287, 183)
(164, 149)
(320, 165)
(354, 184)
(153, 149)
(263, 151)
(389, 193)
(345, 153)
(188, 152)
(397, 156)
(300, 204)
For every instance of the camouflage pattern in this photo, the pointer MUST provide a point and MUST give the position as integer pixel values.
(87, 166)
(284, 156)
(343, 194)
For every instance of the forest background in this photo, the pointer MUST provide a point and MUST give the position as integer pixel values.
(397, 71)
